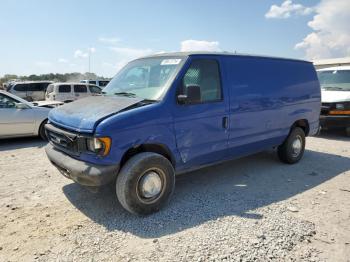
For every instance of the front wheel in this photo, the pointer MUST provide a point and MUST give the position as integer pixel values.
(145, 183)
(42, 132)
(292, 150)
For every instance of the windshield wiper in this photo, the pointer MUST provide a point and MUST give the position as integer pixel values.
(127, 94)
(149, 101)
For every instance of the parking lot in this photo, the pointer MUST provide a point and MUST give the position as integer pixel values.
(246, 209)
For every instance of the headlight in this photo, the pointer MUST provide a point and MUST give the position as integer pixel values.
(99, 145)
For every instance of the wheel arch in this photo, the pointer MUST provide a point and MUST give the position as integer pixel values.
(154, 148)
(303, 124)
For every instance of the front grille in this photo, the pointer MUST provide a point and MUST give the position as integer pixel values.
(63, 140)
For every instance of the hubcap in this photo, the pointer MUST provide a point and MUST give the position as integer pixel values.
(150, 185)
(297, 146)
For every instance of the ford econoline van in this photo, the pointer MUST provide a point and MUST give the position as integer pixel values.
(167, 114)
(69, 92)
(335, 90)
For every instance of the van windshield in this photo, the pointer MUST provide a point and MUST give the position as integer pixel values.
(146, 78)
(337, 80)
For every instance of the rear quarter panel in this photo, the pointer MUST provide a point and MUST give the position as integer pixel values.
(267, 96)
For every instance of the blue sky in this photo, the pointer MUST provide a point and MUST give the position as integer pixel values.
(54, 36)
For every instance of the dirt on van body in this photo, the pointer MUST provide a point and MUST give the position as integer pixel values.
(254, 208)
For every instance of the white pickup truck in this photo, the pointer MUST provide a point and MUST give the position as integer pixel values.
(335, 85)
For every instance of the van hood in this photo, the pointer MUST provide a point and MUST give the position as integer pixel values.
(335, 96)
(84, 114)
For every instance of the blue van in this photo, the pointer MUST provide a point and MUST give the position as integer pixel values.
(170, 113)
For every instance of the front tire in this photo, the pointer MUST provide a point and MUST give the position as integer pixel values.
(292, 150)
(42, 132)
(145, 183)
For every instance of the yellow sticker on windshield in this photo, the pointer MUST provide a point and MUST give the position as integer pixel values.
(170, 61)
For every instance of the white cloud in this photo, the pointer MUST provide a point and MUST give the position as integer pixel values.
(287, 9)
(131, 53)
(197, 45)
(109, 40)
(80, 54)
(84, 54)
(62, 60)
(331, 31)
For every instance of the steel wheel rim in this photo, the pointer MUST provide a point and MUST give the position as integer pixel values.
(297, 146)
(150, 185)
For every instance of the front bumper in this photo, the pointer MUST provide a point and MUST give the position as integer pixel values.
(337, 121)
(84, 173)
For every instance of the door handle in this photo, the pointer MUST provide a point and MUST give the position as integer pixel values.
(225, 122)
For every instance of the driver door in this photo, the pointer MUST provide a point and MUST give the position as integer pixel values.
(201, 127)
(14, 121)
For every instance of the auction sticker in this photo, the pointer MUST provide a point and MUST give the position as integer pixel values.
(170, 62)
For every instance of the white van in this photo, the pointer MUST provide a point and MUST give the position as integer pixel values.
(30, 91)
(335, 86)
(68, 92)
(99, 83)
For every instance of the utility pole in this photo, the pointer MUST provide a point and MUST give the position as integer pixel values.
(89, 61)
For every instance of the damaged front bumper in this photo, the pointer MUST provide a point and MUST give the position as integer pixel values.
(84, 173)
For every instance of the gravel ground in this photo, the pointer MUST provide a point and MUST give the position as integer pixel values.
(254, 208)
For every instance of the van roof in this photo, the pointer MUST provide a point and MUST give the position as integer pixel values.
(71, 83)
(333, 68)
(31, 82)
(194, 53)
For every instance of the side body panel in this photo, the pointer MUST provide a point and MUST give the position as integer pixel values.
(63, 96)
(16, 122)
(267, 96)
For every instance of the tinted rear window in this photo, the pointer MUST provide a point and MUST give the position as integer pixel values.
(80, 89)
(37, 86)
(21, 87)
(31, 87)
(103, 83)
(92, 82)
(64, 89)
(95, 89)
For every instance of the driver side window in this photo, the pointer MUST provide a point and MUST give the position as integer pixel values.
(205, 74)
(7, 102)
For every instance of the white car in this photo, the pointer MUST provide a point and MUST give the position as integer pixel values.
(68, 92)
(335, 86)
(21, 118)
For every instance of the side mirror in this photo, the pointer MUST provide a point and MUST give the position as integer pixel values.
(21, 106)
(192, 95)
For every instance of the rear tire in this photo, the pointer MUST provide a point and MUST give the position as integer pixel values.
(145, 183)
(292, 150)
(347, 131)
(42, 132)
